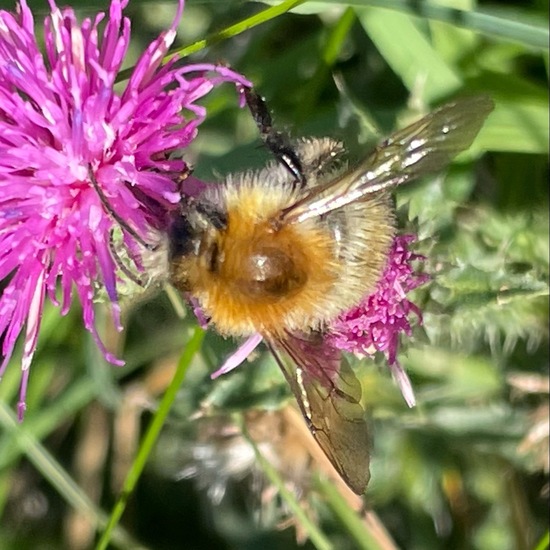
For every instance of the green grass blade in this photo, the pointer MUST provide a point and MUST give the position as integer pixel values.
(409, 53)
(316, 536)
(488, 22)
(53, 472)
(151, 436)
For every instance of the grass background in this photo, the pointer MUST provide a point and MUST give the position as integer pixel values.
(468, 467)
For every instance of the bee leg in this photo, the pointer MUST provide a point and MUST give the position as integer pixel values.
(140, 281)
(111, 211)
(277, 142)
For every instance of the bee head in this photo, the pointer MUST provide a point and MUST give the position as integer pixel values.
(193, 237)
(190, 228)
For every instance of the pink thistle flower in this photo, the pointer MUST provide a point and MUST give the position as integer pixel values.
(69, 144)
(375, 324)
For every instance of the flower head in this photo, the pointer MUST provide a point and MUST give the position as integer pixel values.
(75, 157)
(376, 323)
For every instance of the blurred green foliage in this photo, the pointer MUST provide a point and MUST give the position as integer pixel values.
(468, 467)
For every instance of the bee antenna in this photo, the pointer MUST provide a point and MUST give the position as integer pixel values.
(109, 209)
(277, 142)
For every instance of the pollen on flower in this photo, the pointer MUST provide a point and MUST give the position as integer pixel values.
(376, 323)
(76, 157)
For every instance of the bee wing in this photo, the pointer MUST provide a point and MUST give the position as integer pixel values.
(328, 394)
(424, 147)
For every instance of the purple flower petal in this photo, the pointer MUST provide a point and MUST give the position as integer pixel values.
(375, 324)
(239, 355)
(64, 134)
(404, 383)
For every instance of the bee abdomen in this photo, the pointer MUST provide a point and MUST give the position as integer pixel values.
(270, 273)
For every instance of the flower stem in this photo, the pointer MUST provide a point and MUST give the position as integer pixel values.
(317, 537)
(153, 431)
(233, 30)
(238, 28)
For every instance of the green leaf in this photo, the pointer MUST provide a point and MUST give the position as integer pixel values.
(409, 53)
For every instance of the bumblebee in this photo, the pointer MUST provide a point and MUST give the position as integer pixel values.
(284, 250)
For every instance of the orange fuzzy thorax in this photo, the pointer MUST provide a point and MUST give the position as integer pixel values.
(300, 269)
